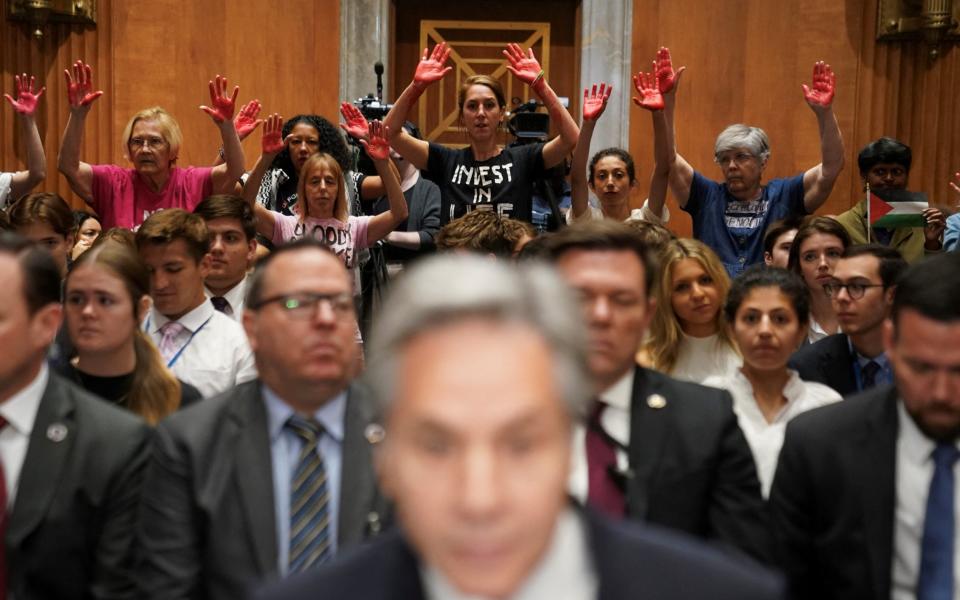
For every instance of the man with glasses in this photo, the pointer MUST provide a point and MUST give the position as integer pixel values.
(861, 293)
(274, 476)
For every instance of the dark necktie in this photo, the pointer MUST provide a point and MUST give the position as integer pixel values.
(936, 550)
(868, 374)
(309, 501)
(220, 303)
(3, 525)
(603, 491)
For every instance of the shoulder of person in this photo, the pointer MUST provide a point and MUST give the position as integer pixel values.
(96, 418)
(197, 421)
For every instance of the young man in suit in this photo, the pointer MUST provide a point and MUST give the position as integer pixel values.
(275, 475)
(71, 463)
(864, 500)
(233, 248)
(655, 449)
(477, 454)
(864, 281)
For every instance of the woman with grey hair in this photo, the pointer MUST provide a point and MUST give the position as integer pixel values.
(731, 216)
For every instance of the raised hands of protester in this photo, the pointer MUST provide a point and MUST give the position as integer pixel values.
(223, 105)
(27, 98)
(524, 67)
(934, 224)
(246, 120)
(595, 101)
(377, 143)
(80, 92)
(356, 124)
(819, 95)
(667, 78)
(432, 66)
(272, 140)
(650, 97)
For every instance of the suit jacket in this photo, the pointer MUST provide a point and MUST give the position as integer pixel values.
(70, 532)
(208, 524)
(833, 498)
(830, 362)
(630, 561)
(690, 466)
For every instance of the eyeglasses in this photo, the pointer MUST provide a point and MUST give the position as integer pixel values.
(304, 305)
(855, 289)
(153, 142)
(739, 158)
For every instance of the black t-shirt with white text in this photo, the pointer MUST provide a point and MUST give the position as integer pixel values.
(503, 183)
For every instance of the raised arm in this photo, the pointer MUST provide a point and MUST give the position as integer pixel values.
(526, 68)
(271, 143)
(681, 173)
(225, 176)
(432, 67)
(246, 123)
(594, 103)
(378, 149)
(818, 181)
(357, 127)
(25, 106)
(81, 96)
(651, 98)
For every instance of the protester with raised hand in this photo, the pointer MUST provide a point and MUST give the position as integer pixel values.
(16, 184)
(151, 140)
(246, 123)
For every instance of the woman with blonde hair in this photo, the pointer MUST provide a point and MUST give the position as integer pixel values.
(106, 298)
(689, 338)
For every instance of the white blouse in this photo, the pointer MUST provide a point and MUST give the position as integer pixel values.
(700, 358)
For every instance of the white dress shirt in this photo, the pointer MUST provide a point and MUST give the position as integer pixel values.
(20, 411)
(766, 437)
(213, 352)
(235, 298)
(565, 571)
(701, 358)
(615, 421)
(914, 473)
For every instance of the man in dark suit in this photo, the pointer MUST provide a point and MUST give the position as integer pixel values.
(861, 292)
(477, 455)
(864, 501)
(70, 464)
(274, 476)
(656, 449)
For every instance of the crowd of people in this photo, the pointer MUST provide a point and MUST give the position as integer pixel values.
(199, 398)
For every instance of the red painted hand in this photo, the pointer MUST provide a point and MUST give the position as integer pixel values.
(431, 66)
(595, 102)
(79, 86)
(356, 124)
(223, 105)
(271, 142)
(667, 78)
(377, 144)
(246, 120)
(27, 99)
(525, 67)
(650, 97)
(824, 84)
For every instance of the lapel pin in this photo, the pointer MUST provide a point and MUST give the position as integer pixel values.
(57, 432)
(656, 401)
(374, 433)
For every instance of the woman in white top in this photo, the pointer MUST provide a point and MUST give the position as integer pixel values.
(816, 248)
(688, 337)
(767, 310)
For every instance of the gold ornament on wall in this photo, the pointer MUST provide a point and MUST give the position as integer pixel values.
(38, 13)
(933, 21)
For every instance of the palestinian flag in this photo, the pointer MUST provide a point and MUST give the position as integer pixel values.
(893, 209)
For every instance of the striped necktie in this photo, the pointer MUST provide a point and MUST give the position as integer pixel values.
(309, 500)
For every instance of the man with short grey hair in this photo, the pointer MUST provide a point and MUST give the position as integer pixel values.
(480, 372)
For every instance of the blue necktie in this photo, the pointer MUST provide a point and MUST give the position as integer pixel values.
(309, 501)
(936, 551)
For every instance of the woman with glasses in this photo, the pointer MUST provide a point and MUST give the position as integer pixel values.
(767, 312)
(151, 141)
(818, 245)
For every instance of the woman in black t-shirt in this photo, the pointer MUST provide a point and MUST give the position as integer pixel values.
(484, 174)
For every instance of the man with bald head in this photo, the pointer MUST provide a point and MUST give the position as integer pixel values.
(274, 476)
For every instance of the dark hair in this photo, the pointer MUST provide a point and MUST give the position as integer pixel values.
(80, 217)
(255, 283)
(5, 221)
(813, 225)
(228, 206)
(891, 262)
(484, 80)
(41, 275)
(536, 249)
(42, 207)
(790, 285)
(930, 287)
(777, 229)
(480, 231)
(119, 235)
(656, 236)
(331, 142)
(606, 234)
(884, 150)
(171, 224)
(616, 153)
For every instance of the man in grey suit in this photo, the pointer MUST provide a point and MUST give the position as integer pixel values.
(274, 476)
(70, 464)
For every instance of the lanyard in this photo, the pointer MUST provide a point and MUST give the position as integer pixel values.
(185, 344)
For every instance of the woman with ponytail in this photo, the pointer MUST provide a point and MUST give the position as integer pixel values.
(105, 300)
